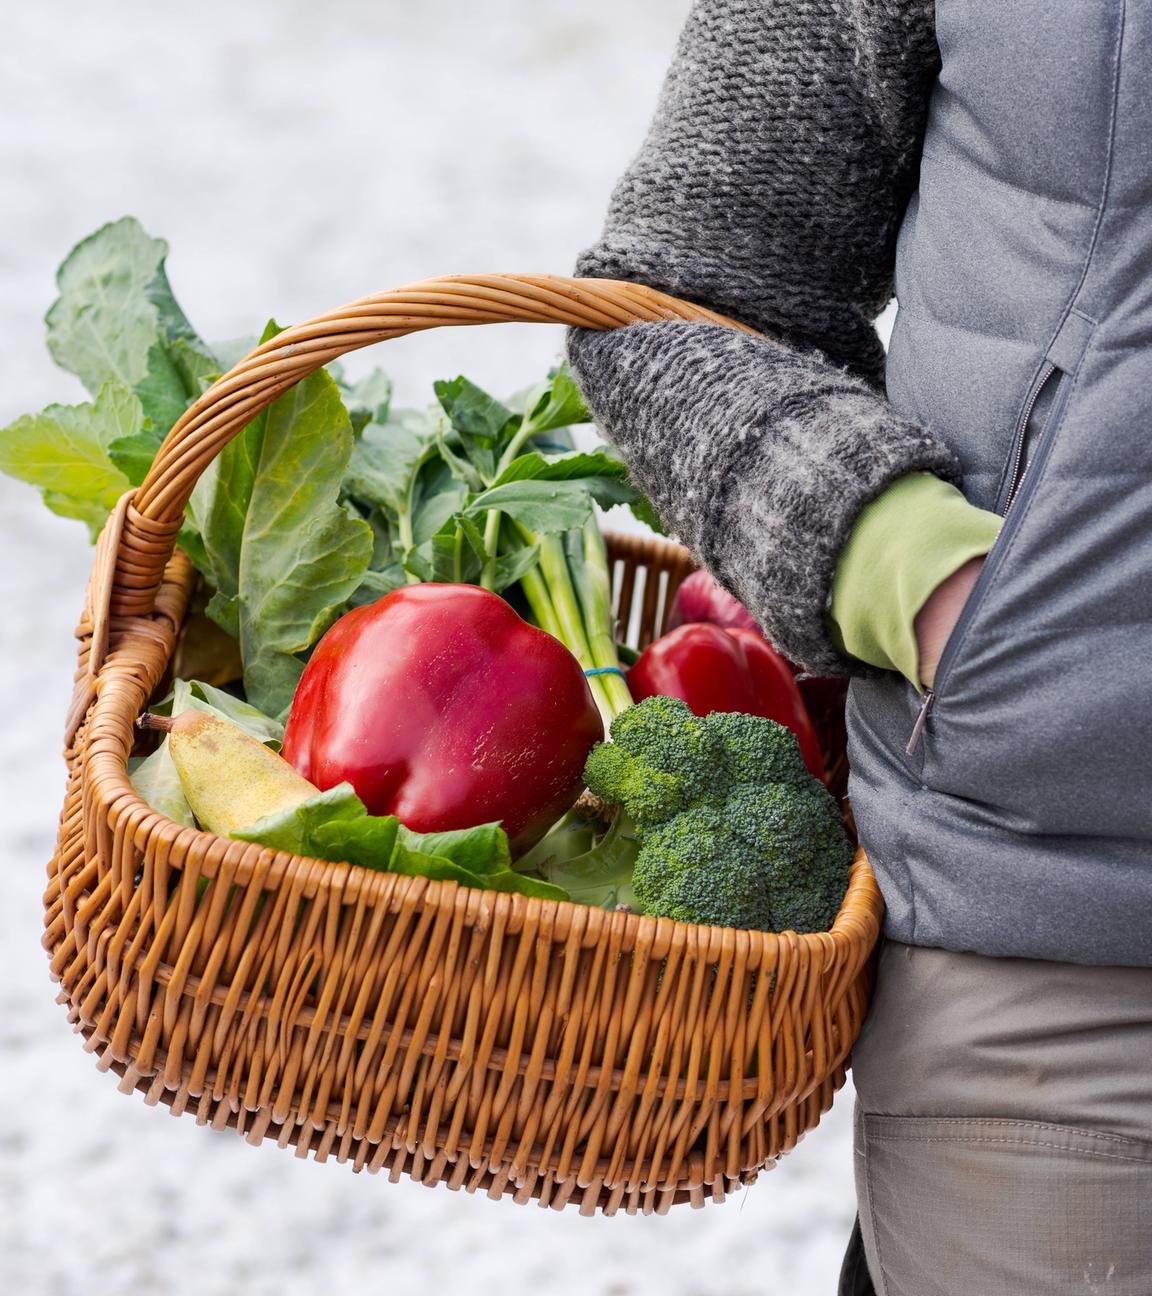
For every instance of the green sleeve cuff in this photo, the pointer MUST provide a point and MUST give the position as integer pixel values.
(905, 542)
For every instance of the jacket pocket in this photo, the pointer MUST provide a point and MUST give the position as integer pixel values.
(1035, 429)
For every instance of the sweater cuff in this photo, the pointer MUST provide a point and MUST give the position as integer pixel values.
(904, 543)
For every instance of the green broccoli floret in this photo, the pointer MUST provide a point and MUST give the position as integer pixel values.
(733, 830)
(646, 794)
(687, 869)
(795, 830)
(661, 759)
(758, 751)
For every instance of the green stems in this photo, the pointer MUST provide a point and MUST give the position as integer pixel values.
(569, 591)
(594, 588)
(524, 434)
(570, 594)
(491, 548)
(540, 601)
(554, 568)
(405, 532)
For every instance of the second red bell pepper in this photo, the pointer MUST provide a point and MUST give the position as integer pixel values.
(726, 670)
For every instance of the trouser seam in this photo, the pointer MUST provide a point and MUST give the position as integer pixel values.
(998, 1122)
(1036, 1143)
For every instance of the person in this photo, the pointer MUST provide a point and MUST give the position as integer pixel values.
(965, 528)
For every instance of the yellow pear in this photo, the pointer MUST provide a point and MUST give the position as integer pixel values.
(229, 778)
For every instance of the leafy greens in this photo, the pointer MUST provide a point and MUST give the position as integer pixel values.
(328, 499)
(334, 825)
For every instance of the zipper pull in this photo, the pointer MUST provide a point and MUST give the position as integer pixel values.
(921, 717)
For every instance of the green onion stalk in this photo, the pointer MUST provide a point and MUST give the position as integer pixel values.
(569, 591)
(570, 594)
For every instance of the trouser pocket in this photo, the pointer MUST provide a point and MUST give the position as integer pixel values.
(988, 1207)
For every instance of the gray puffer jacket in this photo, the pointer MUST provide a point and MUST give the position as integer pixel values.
(991, 162)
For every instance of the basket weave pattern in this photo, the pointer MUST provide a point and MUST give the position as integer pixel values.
(490, 1041)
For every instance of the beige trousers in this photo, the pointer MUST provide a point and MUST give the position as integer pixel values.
(1004, 1127)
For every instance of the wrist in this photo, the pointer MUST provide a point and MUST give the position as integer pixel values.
(937, 617)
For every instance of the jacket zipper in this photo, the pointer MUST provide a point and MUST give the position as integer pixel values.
(1015, 482)
(1020, 440)
(921, 718)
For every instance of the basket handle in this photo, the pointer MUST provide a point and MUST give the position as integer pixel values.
(257, 380)
(140, 537)
(153, 518)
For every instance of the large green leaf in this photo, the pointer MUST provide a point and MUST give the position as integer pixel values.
(286, 554)
(157, 782)
(643, 511)
(641, 506)
(533, 466)
(65, 451)
(114, 303)
(556, 403)
(296, 828)
(472, 411)
(481, 422)
(206, 697)
(396, 473)
(548, 506)
(555, 492)
(155, 778)
(386, 458)
(483, 849)
(118, 327)
(368, 400)
(511, 566)
(438, 495)
(176, 374)
(377, 583)
(335, 825)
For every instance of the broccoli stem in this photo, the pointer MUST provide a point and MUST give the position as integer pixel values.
(601, 876)
(568, 837)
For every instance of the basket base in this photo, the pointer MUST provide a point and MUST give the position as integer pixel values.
(396, 1158)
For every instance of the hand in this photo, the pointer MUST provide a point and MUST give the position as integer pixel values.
(937, 618)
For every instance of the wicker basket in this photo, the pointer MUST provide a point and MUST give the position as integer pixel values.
(531, 1048)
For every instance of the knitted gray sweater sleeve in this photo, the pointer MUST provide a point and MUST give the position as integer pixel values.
(770, 187)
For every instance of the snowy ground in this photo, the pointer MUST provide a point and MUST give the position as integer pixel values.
(297, 155)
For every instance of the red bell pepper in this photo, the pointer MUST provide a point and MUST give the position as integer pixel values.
(442, 707)
(700, 598)
(726, 670)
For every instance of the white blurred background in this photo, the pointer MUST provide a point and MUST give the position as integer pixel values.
(297, 155)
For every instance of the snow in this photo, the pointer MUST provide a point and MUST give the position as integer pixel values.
(298, 155)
